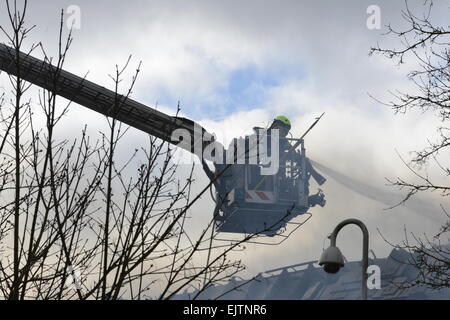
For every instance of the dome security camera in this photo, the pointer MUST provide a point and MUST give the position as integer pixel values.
(332, 260)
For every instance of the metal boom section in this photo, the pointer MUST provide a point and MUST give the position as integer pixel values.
(98, 98)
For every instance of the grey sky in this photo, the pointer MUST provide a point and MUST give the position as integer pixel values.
(298, 58)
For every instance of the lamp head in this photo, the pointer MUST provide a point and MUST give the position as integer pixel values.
(332, 260)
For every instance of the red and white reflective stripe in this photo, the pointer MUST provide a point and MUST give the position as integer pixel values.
(259, 196)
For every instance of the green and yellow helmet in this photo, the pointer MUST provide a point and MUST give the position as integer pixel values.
(283, 121)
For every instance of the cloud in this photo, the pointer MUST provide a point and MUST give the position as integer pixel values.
(235, 65)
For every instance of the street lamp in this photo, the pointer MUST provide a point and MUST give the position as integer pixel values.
(332, 259)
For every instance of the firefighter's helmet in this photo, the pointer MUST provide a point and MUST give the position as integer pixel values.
(284, 121)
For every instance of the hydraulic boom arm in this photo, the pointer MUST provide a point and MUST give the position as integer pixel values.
(98, 98)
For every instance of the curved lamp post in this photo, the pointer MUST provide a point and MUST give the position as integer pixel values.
(332, 259)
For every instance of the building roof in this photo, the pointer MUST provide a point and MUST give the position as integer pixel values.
(309, 281)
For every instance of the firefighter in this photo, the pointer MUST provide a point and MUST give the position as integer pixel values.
(283, 125)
